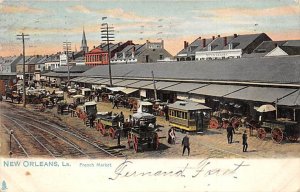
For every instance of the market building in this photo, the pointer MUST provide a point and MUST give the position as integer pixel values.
(242, 84)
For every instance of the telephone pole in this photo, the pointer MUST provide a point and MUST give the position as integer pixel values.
(67, 48)
(107, 35)
(24, 91)
(154, 86)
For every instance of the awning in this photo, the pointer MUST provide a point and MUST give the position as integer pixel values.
(128, 90)
(291, 100)
(184, 87)
(115, 89)
(101, 81)
(125, 83)
(139, 84)
(114, 81)
(263, 94)
(217, 90)
(76, 79)
(197, 98)
(160, 85)
(182, 96)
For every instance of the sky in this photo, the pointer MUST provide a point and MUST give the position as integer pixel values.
(50, 23)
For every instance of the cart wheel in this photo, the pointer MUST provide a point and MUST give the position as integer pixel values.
(225, 124)
(261, 133)
(99, 126)
(112, 132)
(213, 123)
(129, 140)
(102, 130)
(277, 135)
(293, 138)
(135, 143)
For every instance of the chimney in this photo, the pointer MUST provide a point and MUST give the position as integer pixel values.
(219, 35)
(185, 44)
(199, 38)
(235, 35)
(162, 44)
(213, 37)
(204, 42)
(132, 52)
(94, 46)
(225, 41)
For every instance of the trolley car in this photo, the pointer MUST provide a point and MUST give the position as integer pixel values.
(189, 116)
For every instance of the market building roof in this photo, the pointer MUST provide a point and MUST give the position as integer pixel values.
(291, 100)
(279, 70)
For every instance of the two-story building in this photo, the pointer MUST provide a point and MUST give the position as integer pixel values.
(52, 62)
(99, 55)
(231, 46)
(145, 53)
(8, 71)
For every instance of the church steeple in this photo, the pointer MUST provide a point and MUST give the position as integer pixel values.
(84, 46)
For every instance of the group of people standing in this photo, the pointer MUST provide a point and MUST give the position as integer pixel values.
(230, 132)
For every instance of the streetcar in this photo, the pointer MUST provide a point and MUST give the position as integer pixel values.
(189, 116)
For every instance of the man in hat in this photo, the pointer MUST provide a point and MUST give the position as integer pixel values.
(186, 144)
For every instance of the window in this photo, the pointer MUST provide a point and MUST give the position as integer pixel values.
(147, 58)
(230, 46)
(161, 57)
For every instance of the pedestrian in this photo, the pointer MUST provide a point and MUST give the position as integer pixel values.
(166, 111)
(98, 96)
(169, 136)
(230, 132)
(92, 118)
(172, 136)
(186, 144)
(130, 120)
(245, 144)
(118, 134)
(115, 101)
(19, 97)
(121, 117)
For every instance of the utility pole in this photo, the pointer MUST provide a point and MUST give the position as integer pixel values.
(154, 86)
(107, 35)
(24, 91)
(67, 48)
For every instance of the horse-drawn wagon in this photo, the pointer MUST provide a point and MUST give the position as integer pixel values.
(107, 123)
(279, 130)
(143, 132)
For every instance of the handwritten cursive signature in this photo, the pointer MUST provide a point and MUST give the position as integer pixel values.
(204, 168)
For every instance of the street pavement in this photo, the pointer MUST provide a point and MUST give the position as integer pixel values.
(212, 143)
